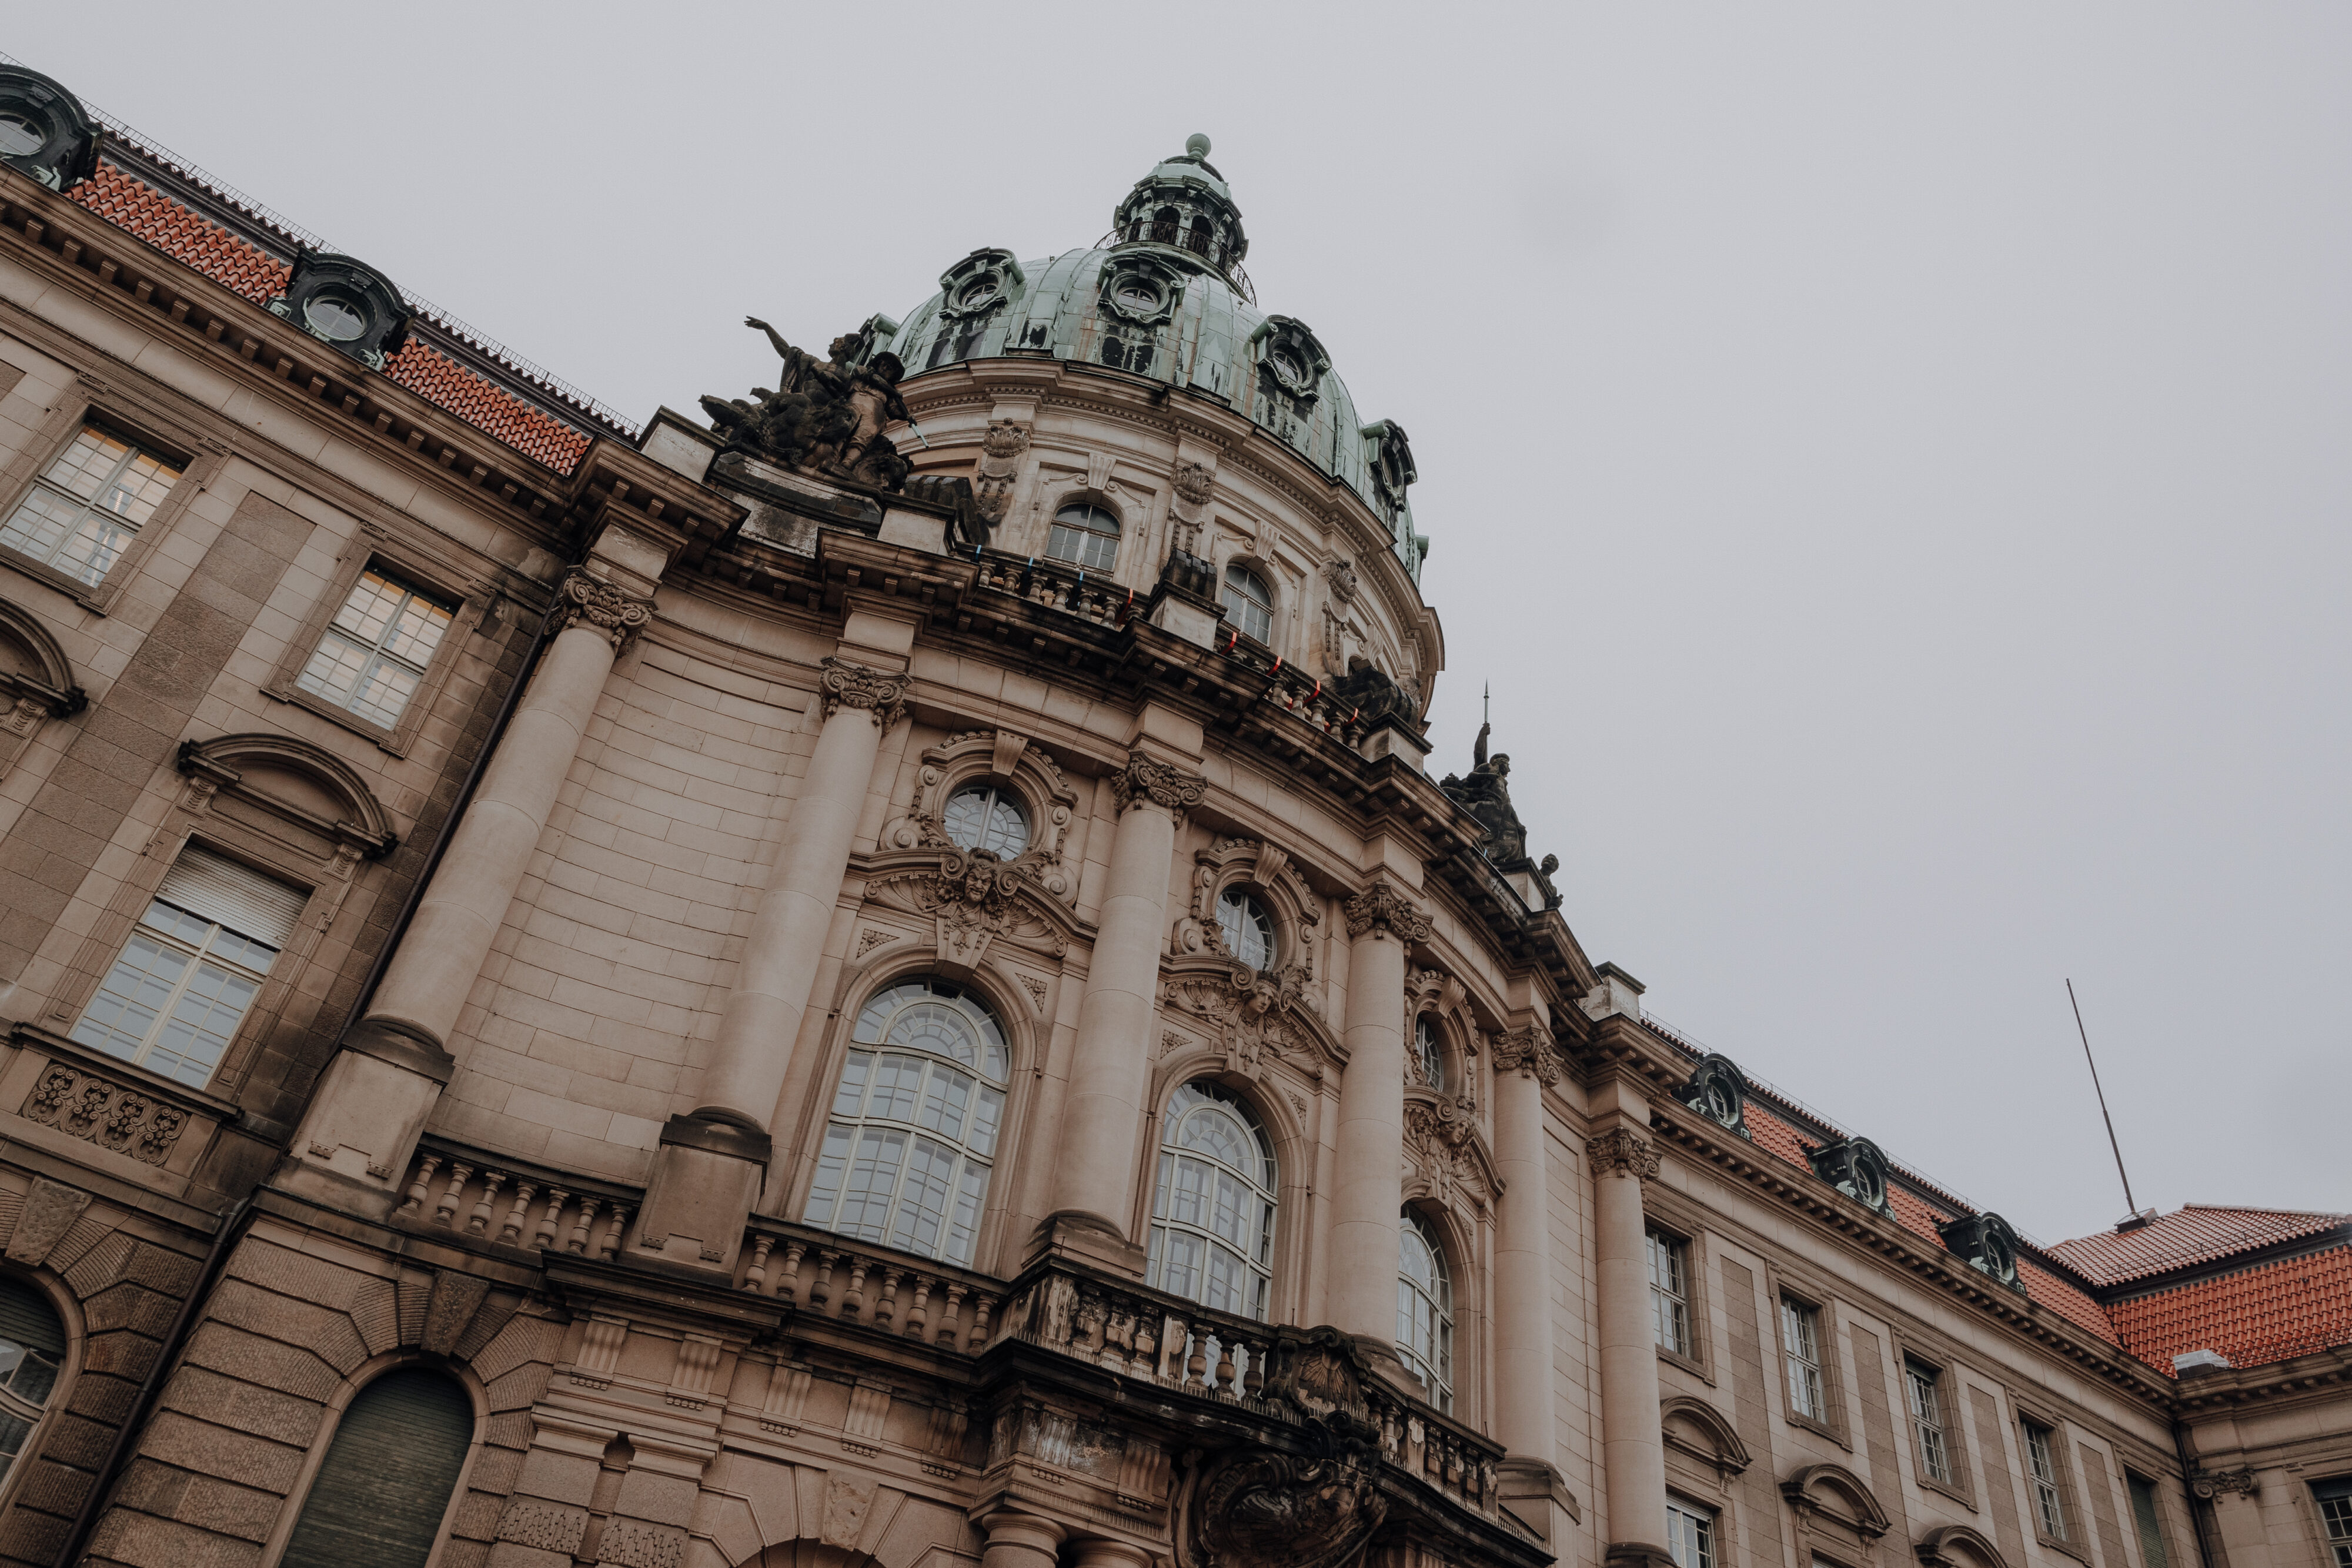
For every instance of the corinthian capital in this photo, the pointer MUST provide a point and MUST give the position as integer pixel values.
(1622, 1153)
(1384, 912)
(582, 600)
(881, 693)
(1528, 1050)
(1145, 781)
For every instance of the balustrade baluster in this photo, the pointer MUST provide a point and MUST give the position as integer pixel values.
(885, 1310)
(789, 1288)
(1225, 1364)
(853, 1299)
(822, 1292)
(579, 1239)
(756, 1275)
(544, 1236)
(478, 1222)
(519, 1215)
(1253, 1381)
(1196, 1365)
(445, 1210)
(918, 1315)
(981, 1306)
(421, 1185)
(612, 1242)
(951, 1320)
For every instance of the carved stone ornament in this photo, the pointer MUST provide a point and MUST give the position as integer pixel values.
(881, 693)
(1622, 1153)
(1260, 1507)
(1193, 481)
(1340, 575)
(1441, 1143)
(1255, 1016)
(105, 1114)
(602, 606)
(49, 1211)
(1384, 912)
(978, 757)
(1000, 467)
(2210, 1484)
(975, 898)
(826, 416)
(1230, 862)
(1145, 781)
(1530, 1050)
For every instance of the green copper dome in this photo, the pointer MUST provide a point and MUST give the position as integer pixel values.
(1163, 296)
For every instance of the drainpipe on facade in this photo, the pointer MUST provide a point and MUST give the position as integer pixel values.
(77, 1534)
(2200, 1513)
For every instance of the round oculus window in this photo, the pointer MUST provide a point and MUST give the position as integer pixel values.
(335, 316)
(1719, 1103)
(977, 291)
(1868, 1185)
(1999, 1262)
(1139, 296)
(20, 134)
(1289, 367)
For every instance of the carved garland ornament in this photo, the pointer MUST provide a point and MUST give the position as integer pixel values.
(1622, 1153)
(881, 693)
(602, 606)
(1384, 912)
(1147, 782)
(1530, 1050)
(105, 1114)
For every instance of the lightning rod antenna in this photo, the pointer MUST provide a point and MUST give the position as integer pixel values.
(1486, 705)
(2102, 1093)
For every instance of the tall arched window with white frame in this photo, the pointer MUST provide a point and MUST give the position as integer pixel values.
(916, 1114)
(1429, 1051)
(1213, 1213)
(1425, 1309)
(32, 1353)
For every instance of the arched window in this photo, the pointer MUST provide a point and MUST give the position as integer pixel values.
(1085, 536)
(32, 1349)
(1248, 929)
(1249, 603)
(1429, 1050)
(386, 1479)
(915, 1118)
(1424, 1336)
(1213, 1214)
(986, 816)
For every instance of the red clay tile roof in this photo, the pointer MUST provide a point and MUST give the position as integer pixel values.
(2274, 1311)
(2064, 1298)
(140, 209)
(2199, 1233)
(1776, 1136)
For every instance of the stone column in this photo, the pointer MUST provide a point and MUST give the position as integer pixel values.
(374, 1098)
(1020, 1541)
(708, 1172)
(1381, 924)
(1526, 1061)
(1109, 1072)
(1633, 1455)
(1100, 1553)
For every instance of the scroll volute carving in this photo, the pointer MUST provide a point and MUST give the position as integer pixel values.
(1310, 1504)
(979, 756)
(1265, 869)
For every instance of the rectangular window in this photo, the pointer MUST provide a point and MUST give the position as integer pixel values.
(1801, 1327)
(373, 655)
(2334, 1498)
(1670, 1292)
(1690, 1533)
(86, 509)
(2049, 1498)
(1920, 1391)
(193, 965)
(2152, 1553)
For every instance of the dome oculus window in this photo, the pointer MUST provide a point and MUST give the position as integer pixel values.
(1249, 603)
(1429, 1050)
(1424, 1336)
(335, 318)
(986, 816)
(1288, 369)
(916, 1113)
(977, 291)
(1139, 296)
(1213, 1213)
(19, 135)
(1086, 537)
(1247, 928)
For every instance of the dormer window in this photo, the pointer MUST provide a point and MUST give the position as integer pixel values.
(1139, 296)
(977, 291)
(1718, 1091)
(20, 136)
(1287, 369)
(334, 318)
(1247, 928)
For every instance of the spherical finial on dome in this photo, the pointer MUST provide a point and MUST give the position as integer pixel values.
(1196, 145)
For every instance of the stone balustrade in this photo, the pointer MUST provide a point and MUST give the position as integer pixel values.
(829, 1276)
(1056, 586)
(513, 1203)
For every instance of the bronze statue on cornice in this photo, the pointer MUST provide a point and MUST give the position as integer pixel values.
(826, 416)
(1486, 795)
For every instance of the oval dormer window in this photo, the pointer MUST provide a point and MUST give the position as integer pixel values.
(1718, 1103)
(977, 292)
(335, 316)
(1868, 1185)
(19, 135)
(1288, 366)
(1139, 296)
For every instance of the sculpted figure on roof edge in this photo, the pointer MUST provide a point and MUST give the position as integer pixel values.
(826, 416)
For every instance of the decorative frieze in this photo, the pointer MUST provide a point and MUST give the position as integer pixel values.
(881, 693)
(1146, 780)
(2211, 1484)
(1622, 1152)
(1384, 912)
(106, 1113)
(582, 599)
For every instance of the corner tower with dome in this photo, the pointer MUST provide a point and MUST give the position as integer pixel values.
(875, 976)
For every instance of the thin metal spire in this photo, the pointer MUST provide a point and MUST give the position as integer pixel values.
(2102, 1093)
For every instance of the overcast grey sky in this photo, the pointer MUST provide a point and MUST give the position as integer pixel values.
(1890, 461)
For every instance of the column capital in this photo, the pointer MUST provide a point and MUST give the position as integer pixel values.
(1528, 1050)
(1622, 1152)
(1012, 1527)
(583, 599)
(1384, 912)
(881, 693)
(1147, 782)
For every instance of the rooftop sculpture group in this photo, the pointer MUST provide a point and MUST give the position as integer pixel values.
(825, 415)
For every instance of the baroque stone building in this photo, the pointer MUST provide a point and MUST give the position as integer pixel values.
(770, 989)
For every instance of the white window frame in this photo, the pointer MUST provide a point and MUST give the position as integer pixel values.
(1238, 911)
(1800, 1342)
(2048, 1480)
(1429, 1050)
(1084, 543)
(1424, 1339)
(1252, 615)
(117, 532)
(1670, 1313)
(997, 802)
(1243, 1258)
(169, 927)
(1923, 1398)
(1690, 1532)
(377, 655)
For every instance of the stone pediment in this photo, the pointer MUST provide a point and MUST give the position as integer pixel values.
(974, 899)
(1253, 1015)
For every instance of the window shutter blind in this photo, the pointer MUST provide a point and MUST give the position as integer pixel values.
(246, 902)
(387, 1477)
(27, 1318)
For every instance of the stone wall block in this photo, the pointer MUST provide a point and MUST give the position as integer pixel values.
(533, 1522)
(768, 1487)
(660, 1499)
(264, 1411)
(376, 1313)
(465, 1553)
(289, 1368)
(415, 1296)
(919, 1527)
(130, 1308)
(28, 1536)
(105, 1399)
(633, 1543)
(216, 1505)
(78, 1440)
(513, 1554)
(48, 1211)
(12, 1203)
(330, 1335)
(296, 1274)
(455, 1299)
(520, 1388)
(88, 1232)
(162, 1269)
(728, 1521)
(100, 1265)
(558, 1476)
(56, 1488)
(144, 1541)
(495, 1469)
(178, 1439)
(119, 1352)
(508, 1429)
(478, 1516)
(489, 1317)
(522, 1338)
